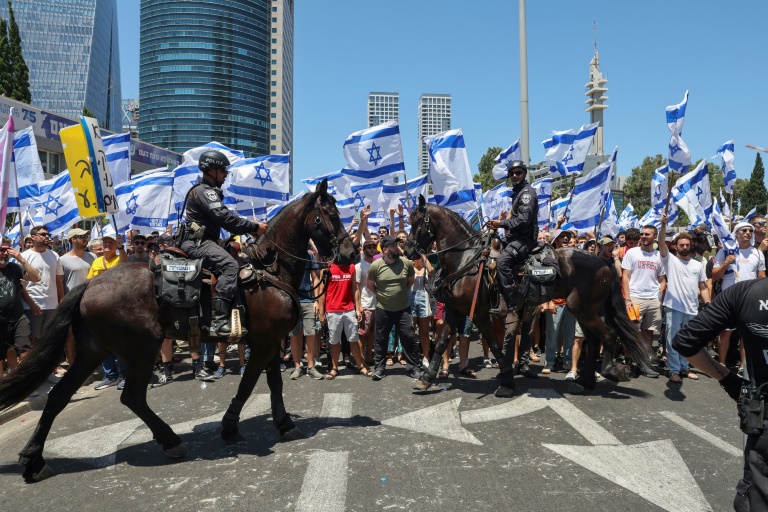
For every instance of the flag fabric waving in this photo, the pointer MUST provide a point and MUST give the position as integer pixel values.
(374, 153)
(29, 169)
(449, 171)
(721, 229)
(6, 166)
(659, 194)
(679, 156)
(543, 188)
(56, 200)
(590, 193)
(726, 167)
(394, 195)
(676, 116)
(505, 158)
(496, 200)
(144, 202)
(627, 216)
(256, 182)
(692, 194)
(567, 150)
(118, 150)
(610, 225)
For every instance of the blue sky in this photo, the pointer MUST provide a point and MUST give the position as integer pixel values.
(650, 51)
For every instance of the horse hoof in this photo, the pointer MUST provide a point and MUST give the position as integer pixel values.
(576, 389)
(41, 475)
(233, 438)
(293, 435)
(505, 392)
(422, 385)
(177, 451)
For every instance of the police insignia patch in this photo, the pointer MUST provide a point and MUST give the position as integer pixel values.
(211, 195)
(525, 198)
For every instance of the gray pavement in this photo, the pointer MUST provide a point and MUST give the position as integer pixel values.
(381, 446)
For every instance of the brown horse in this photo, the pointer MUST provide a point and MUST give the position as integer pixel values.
(586, 283)
(117, 312)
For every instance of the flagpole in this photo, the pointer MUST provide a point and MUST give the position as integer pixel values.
(407, 194)
(600, 224)
(570, 198)
(730, 219)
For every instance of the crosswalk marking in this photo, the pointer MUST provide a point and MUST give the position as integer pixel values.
(325, 483)
(698, 431)
(337, 407)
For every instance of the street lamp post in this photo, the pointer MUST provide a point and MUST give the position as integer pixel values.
(524, 147)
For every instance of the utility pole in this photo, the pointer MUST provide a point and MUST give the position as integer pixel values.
(524, 146)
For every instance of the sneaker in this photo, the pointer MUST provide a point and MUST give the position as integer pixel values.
(232, 348)
(242, 370)
(202, 375)
(283, 367)
(547, 370)
(425, 363)
(296, 373)
(107, 382)
(219, 373)
(415, 374)
(487, 363)
(527, 372)
(316, 374)
(121, 384)
(162, 381)
(599, 377)
(377, 375)
(740, 372)
(571, 375)
(455, 353)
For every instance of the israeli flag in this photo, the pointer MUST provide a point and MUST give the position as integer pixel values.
(567, 150)
(374, 153)
(726, 166)
(144, 202)
(98, 232)
(255, 182)
(30, 218)
(590, 193)
(726, 208)
(193, 155)
(610, 225)
(543, 188)
(750, 214)
(679, 156)
(185, 176)
(496, 200)
(721, 229)
(505, 158)
(360, 196)
(269, 213)
(659, 193)
(676, 116)
(28, 167)
(338, 184)
(394, 195)
(692, 194)
(449, 171)
(118, 150)
(559, 206)
(56, 199)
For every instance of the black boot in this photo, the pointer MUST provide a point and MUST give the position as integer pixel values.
(220, 313)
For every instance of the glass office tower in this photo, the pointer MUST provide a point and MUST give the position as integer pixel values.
(71, 49)
(205, 74)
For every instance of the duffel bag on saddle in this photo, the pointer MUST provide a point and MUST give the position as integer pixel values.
(179, 281)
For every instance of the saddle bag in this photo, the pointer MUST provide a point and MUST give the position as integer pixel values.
(538, 278)
(179, 281)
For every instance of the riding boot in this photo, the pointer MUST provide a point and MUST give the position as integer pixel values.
(220, 312)
(507, 295)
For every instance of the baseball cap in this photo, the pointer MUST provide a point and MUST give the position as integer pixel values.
(165, 239)
(76, 232)
(139, 236)
(606, 240)
(556, 233)
(385, 241)
(369, 242)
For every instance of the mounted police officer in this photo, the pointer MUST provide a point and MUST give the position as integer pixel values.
(205, 217)
(521, 230)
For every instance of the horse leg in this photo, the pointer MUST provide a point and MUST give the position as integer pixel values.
(35, 468)
(140, 361)
(253, 368)
(595, 330)
(280, 416)
(443, 338)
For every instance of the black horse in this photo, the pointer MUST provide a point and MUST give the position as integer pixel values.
(587, 284)
(117, 312)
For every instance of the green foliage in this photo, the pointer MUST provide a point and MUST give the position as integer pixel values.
(87, 112)
(637, 190)
(6, 89)
(19, 72)
(738, 191)
(485, 169)
(754, 193)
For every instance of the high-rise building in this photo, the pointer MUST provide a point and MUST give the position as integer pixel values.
(383, 107)
(595, 90)
(434, 117)
(72, 51)
(221, 71)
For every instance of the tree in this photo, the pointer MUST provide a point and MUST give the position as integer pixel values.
(738, 191)
(19, 69)
(485, 169)
(637, 190)
(6, 80)
(87, 112)
(754, 193)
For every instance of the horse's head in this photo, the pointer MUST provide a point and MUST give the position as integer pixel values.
(422, 234)
(326, 230)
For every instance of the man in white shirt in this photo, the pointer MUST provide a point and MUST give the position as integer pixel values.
(42, 298)
(643, 283)
(686, 278)
(366, 299)
(734, 266)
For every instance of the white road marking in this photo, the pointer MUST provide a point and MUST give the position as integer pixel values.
(698, 431)
(325, 483)
(440, 420)
(337, 407)
(524, 405)
(97, 446)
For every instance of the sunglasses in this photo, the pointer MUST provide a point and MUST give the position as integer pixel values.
(3, 250)
(44, 235)
(761, 223)
(746, 230)
(139, 243)
(81, 237)
(517, 173)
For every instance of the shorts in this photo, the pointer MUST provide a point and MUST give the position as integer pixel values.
(306, 323)
(36, 323)
(578, 332)
(15, 335)
(439, 310)
(366, 325)
(650, 314)
(418, 303)
(345, 322)
(464, 327)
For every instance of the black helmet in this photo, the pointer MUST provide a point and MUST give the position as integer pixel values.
(517, 164)
(212, 158)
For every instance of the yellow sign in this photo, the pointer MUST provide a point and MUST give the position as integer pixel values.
(78, 160)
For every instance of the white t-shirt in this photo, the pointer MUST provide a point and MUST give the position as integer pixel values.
(367, 297)
(683, 278)
(748, 263)
(646, 269)
(44, 292)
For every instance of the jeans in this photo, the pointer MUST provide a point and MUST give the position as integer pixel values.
(403, 322)
(207, 351)
(114, 370)
(675, 321)
(562, 321)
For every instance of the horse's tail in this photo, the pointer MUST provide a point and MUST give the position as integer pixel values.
(42, 359)
(629, 336)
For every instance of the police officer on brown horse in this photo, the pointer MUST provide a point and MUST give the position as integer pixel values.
(205, 217)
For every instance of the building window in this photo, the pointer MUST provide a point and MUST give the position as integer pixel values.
(273, 137)
(274, 31)
(273, 115)
(274, 41)
(273, 148)
(274, 51)
(274, 82)
(274, 9)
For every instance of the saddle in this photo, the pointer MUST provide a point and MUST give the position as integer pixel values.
(535, 276)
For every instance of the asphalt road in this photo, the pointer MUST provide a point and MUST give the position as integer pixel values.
(381, 446)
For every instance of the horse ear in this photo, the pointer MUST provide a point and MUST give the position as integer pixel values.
(322, 188)
(422, 201)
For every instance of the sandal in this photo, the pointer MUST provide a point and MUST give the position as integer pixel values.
(466, 372)
(331, 374)
(691, 375)
(390, 362)
(401, 360)
(444, 373)
(364, 372)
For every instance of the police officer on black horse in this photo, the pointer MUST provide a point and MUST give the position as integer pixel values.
(205, 217)
(521, 230)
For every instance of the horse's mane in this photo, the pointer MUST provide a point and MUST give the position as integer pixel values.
(456, 217)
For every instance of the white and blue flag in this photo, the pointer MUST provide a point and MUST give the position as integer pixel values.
(338, 184)
(505, 158)
(374, 153)
(449, 171)
(144, 202)
(496, 200)
(30, 218)
(693, 195)
(193, 155)
(750, 214)
(590, 193)
(627, 217)
(676, 116)
(543, 188)
(726, 167)
(360, 196)
(679, 155)
(721, 229)
(118, 150)
(659, 194)
(254, 183)
(567, 150)
(559, 206)
(393, 195)
(55, 199)
(29, 169)
(726, 208)
(610, 225)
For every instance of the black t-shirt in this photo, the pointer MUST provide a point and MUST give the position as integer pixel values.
(744, 306)
(10, 292)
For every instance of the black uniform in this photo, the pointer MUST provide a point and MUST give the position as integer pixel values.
(743, 306)
(204, 207)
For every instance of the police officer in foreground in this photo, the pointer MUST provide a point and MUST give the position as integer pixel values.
(742, 306)
(205, 217)
(521, 230)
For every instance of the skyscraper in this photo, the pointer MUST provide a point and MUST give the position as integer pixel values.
(434, 117)
(72, 51)
(209, 70)
(383, 107)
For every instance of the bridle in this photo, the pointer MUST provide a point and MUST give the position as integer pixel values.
(321, 217)
(414, 237)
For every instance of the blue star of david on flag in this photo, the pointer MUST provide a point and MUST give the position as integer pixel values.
(52, 205)
(414, 203)
(374, 157)
(674, 149)
(657, 195)
(568, 156)
(698, 193)
(262, 174)
(132, 206)
(358, 202)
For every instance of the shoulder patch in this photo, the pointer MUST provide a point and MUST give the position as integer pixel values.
(211, 195)
(525, 198)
